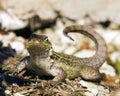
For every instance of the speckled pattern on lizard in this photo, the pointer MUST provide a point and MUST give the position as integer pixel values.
(44, 61)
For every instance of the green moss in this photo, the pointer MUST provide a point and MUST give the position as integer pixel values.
(117, 66)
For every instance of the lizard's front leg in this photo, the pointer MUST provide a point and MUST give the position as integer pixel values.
(58, 73)
(21, 66)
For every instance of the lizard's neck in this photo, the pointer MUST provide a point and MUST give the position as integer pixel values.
(40, 54)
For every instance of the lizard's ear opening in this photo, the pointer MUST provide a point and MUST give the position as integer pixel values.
(90, 74)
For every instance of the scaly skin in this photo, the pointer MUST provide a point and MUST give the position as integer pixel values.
(43, 60)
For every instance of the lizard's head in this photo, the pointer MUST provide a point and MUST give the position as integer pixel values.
(39, 44)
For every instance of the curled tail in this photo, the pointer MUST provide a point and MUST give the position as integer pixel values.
(101, 49)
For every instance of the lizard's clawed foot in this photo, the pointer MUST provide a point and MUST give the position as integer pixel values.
(12, 72)
(15, 71)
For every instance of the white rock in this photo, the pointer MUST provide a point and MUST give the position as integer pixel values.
(90, 86)
(85, 53)
(8, 92)
(21, 39)
(18, 46)
(114, 56)
(102, 91)
(1, 37)
(10, 36)
(10, 21)
(70, 50)
(116, 40)
(5, 42)
(17, 94)
(107, 69)
(88, 94)
(6, 39)
(108, 35)
(95, 90)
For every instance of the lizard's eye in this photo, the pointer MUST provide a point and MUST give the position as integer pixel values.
(46, 40)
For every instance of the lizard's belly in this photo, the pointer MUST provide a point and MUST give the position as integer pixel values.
(71, 71)
(43, 67)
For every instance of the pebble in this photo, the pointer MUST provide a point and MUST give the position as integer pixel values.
(89, 94)
(18, 46)
(90, 86)
(85, 53)
(95, 90)
(108, 69)
(70, 50)
(10, 21)
(16, 43)
(115, 55)
(8, 92)
(110, 36)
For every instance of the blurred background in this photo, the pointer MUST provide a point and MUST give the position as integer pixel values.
(20, 18)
